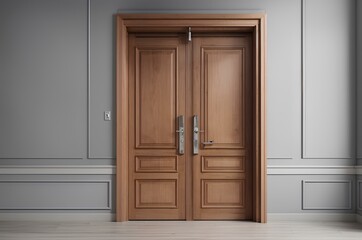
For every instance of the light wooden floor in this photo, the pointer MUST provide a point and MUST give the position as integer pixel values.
(152, 230)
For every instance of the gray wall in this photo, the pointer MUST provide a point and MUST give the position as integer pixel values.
(359, 83)
(43, 76)
(311, 194)
(329, 81)
(52, 111)
(359, 104)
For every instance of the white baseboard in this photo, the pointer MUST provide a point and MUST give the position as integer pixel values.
(359, 218)
(58, 217)
(312, 217)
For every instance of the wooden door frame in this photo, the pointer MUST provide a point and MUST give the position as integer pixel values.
(255, 23)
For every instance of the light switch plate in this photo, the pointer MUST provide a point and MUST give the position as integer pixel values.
(107, 116)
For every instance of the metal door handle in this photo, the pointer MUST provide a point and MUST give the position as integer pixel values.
(195, 139)
(196, 131)
(181, 134)
(208, 142)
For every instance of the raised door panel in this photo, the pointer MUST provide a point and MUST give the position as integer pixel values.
(157, 95)
(156, 193)
(223, 103)
(223, 164)
(222, 170)
(156, 164)
(223, 193)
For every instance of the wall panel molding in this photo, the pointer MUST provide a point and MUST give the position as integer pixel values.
(42, 82)
(334, 124)
(55, 195)
(101, 41)
(57, 170)
(303, 61)
(88, 76)
(100, 88)
(58, 217)
(359, 195)
(323, 193)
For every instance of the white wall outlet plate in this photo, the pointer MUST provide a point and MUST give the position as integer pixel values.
(107, 116)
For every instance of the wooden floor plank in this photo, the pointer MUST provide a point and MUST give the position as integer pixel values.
(174, 230)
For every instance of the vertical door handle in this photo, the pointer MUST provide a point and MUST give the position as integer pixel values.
(196, 131)
(181, 134)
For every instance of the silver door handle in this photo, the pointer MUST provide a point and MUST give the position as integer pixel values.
(196, 131)
(181, 134)
(208, 142)
(195, 139)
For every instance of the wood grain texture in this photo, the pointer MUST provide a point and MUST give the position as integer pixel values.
(222, 71)
(223, 164)
(156, 164)
(156, 193)
(156, 98)
(261, 139)
(122, 122)
(228, 193)
(190, 230)
(176, 24)
(222, 77)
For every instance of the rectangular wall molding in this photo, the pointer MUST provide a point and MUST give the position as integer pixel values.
(326, 195)
(315, 76)
(42, 91)
(88, 78)
(100, 140)
(55, 195)
(57, 170)
(359, 195)
(58, 217)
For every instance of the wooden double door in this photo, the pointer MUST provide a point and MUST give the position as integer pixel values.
(190, 122)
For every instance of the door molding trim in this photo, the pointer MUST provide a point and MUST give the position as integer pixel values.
(255, 23)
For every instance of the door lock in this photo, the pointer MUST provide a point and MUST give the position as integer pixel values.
(196, 131)
(181, 134)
